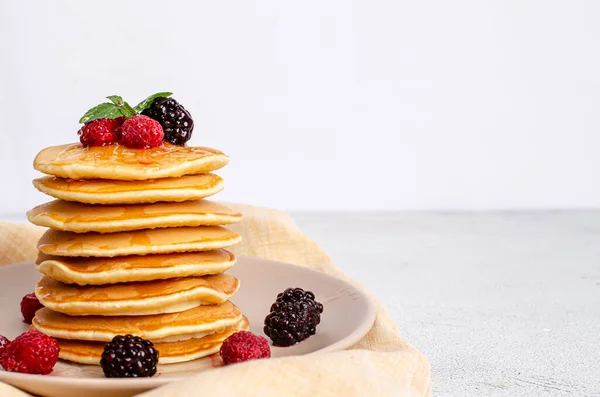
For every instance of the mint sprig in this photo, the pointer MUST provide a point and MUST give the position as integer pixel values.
(129, 111)
(117, 100)
(108, 110)
(117, 107)
(103, 111)
(145, 104)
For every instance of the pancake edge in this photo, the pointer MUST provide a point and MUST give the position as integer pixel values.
(243, 325)
(128, 225)
(141, 197)
(135, 250)
(176, 330)
(173, 303)
(79, 170)
(62, 273)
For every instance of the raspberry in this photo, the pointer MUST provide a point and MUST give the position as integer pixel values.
(141, 132)
(294, 317)
(244, 346)
(100, 132)
(4, 342)
(31, 353)
(29, 305)
(129, 357)
(175, 120)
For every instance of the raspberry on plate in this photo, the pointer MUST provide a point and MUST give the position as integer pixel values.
(31, 353)
(244, 346)
(141, 132)
(294, 317)
(100, 132)
(128, 356)
(29, 305)
(4, 342)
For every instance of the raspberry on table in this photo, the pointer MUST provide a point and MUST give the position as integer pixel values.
(177, 122)
(293, 318)
(244, 346)
(29, 305)
(128, 356)
(141, 132)
(31, 353)
(4, 342)
(101, 132)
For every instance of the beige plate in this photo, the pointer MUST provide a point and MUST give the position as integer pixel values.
(348, 316)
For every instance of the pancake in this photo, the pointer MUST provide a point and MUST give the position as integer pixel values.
(136, 299)
(117, 162)
(82, 218)
(97, 271)
(86, 352)
(103, 191)
(193, 323)
(140, 242)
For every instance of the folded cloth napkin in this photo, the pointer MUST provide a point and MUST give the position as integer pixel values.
(381, 364)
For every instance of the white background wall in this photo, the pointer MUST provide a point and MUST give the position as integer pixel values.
(327, 104)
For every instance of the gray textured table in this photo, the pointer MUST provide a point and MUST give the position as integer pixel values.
(502, 304)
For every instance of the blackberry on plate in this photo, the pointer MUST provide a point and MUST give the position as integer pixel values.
(294, 317)
(129, 357)
(177, 122)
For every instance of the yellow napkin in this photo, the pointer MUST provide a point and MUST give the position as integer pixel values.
(381, 364)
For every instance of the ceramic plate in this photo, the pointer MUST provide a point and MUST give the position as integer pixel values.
(347, 316)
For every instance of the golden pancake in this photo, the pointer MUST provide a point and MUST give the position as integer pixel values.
(104, 191)
(117, 162)
(139, 242)
(136, 299)
(122, 269)
(86, 352)
(159, 327)
(82, 218)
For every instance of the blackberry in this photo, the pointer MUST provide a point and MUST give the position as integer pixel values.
(129, 357)
(176, 122)
(294, 317)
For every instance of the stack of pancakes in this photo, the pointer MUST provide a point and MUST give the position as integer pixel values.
(134, 248)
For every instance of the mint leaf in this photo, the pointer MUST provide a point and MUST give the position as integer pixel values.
(117, 100)
(119, 107)
(128, 110)
(103, 111)
(145, 104)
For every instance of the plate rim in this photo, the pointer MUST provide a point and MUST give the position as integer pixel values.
(154, 382)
